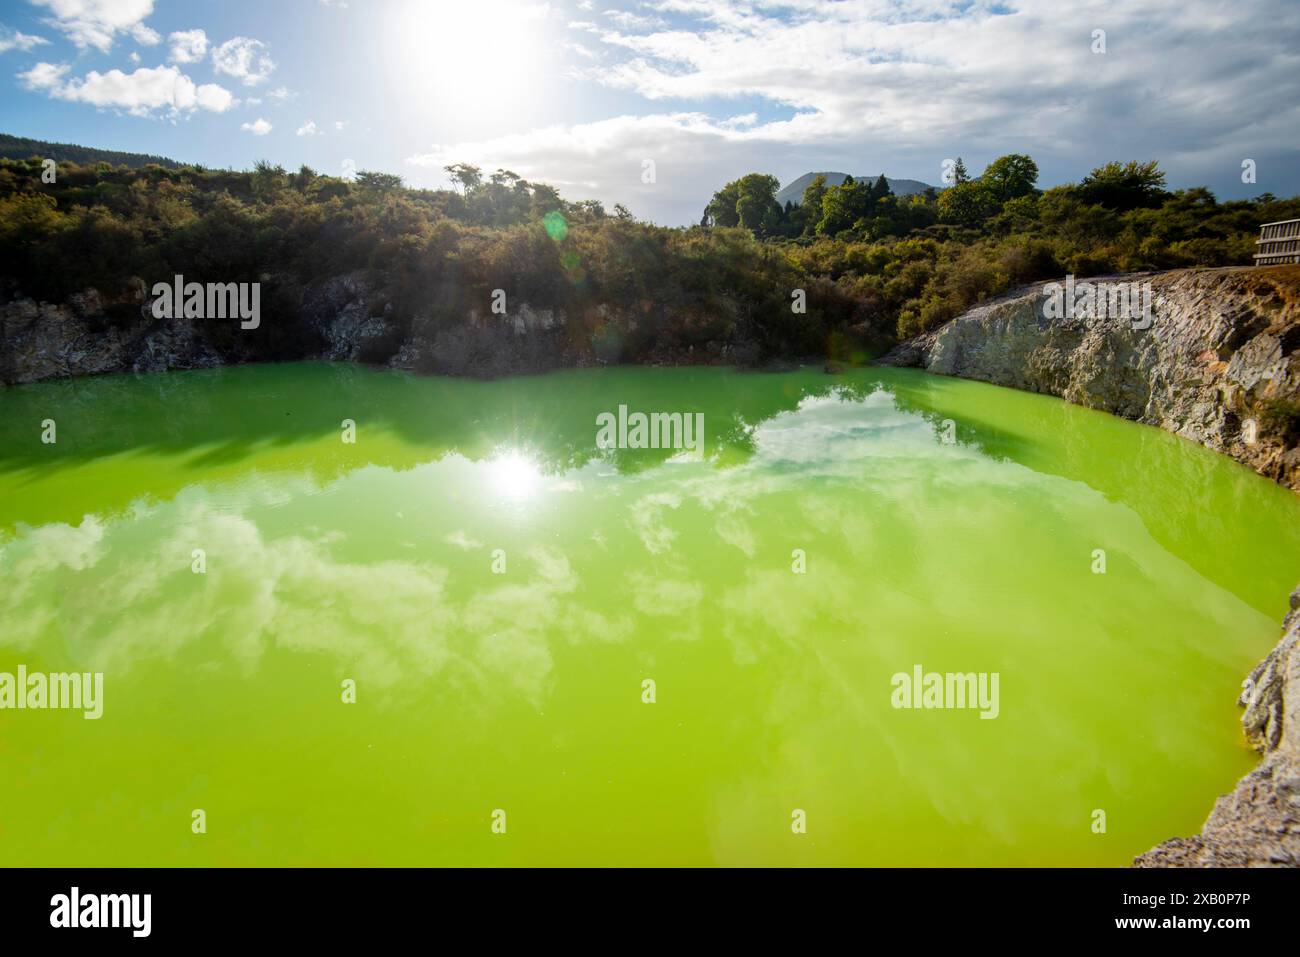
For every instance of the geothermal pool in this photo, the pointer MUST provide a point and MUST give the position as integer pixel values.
(471, 636)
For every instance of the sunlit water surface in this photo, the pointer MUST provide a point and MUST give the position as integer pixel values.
(523, 690)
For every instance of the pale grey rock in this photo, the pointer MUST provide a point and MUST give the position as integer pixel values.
(1258, 823)
(1221, 343)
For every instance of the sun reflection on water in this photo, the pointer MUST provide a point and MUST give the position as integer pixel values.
(513, 475)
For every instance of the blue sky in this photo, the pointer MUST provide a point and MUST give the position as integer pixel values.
(581, 93)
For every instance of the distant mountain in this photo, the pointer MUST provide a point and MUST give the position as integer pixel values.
(793, 192)
(18, 147)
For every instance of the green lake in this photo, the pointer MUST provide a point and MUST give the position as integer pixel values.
(496, 589)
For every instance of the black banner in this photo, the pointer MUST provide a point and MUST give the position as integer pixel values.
(140, 907)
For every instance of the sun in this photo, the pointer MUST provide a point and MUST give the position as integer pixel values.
(475, 62)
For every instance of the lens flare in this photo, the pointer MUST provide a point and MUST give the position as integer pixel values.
(513, 475)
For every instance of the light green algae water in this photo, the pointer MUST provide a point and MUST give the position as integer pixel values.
(521, 689)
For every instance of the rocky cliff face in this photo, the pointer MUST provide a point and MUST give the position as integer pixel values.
(1258, 824)
(48, 341)
(354, 316)
(350, 317)
(344, 318)
(1216, 363)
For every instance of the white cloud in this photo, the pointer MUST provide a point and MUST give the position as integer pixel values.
(143, 92)
(44, 76)
(282, 94)
(16, 40)
(213, 97)
(188, 46)
(308, 129)
(95, 23)
(349, 167)
(605, 159)
(943, 72)
(900, 86)
(340, 125)
(146, 36)
(633, 21)
(258, 127)
(462, 541)
(245, 59)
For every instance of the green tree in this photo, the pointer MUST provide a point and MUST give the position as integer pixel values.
(380, 182)
(543, 199)
(267, 180)
(756, 205)
(813, 195)
(721, 210)
(1009, 177)
(966, 204)
(591, 209)
(464, 175)
(303, 179)
(843, 206)
(750, 202)
(1124, 186)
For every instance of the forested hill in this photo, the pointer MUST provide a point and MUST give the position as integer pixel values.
(19, 147)
(874, 267)
(793, 192)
